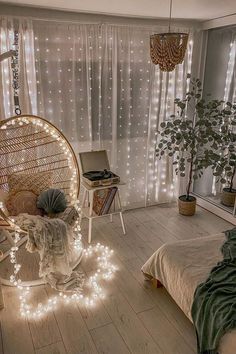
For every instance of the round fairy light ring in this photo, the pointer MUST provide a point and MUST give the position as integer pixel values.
(32, 144)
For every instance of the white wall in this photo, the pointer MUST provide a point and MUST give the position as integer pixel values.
(25, 11)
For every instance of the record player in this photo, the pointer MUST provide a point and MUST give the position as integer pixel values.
(95, 169)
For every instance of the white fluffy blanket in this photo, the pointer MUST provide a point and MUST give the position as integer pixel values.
(53, 240)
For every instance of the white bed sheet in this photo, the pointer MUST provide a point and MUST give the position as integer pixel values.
(181, 266)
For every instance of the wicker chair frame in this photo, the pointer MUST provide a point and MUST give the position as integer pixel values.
(30, 144)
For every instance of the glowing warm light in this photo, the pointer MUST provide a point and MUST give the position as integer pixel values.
(105, 271)
(102, 253)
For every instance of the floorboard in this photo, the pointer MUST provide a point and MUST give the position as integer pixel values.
(108, 340)
(96, 316)
(16, 334)
(56, 348)
(74, 332)
(161, 329)
(130, 327)
(44, 331)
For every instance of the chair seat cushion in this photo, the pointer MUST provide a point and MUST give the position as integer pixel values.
(23, 192)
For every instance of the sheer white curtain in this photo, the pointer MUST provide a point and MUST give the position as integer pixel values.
(97, 84)
(27, 79)
(230, 82)
(221, 42)
(6, 40)
(229, 94)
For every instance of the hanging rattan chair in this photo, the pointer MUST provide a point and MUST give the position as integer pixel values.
(31, 144)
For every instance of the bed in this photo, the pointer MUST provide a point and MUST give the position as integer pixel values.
(181, 266)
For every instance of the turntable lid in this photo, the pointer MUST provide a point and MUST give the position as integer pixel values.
(94, 161)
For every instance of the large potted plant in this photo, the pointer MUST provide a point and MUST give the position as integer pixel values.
(189, 138)
(224, 154)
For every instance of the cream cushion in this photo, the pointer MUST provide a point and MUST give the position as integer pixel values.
(23, 191)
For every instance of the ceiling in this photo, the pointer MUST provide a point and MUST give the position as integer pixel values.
(182, 9)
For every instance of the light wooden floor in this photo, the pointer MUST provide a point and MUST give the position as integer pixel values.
(134, 317)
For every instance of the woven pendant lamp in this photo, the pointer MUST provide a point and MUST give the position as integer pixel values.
(168, 49)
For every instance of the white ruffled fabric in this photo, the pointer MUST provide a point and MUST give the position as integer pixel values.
(53, 240)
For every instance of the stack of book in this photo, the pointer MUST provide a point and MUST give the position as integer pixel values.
(103, 199)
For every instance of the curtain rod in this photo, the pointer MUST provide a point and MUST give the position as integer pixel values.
(102, 23)
(165, 23)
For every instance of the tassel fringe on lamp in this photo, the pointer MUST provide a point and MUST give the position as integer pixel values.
(168, 49)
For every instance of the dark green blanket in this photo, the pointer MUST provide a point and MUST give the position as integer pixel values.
(214, 305)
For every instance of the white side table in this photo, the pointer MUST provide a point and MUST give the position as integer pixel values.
(88, 212)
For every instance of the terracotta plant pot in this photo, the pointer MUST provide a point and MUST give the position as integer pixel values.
(187, 207)
(227, 197)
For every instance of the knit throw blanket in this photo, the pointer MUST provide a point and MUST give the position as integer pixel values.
(214, 305)
(53, 240)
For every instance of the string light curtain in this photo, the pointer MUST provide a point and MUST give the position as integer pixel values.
(27, 79)
(97, 84)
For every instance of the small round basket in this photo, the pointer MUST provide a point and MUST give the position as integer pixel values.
(228, 198)
(187, 207)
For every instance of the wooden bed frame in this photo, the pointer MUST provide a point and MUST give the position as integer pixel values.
(155, 282)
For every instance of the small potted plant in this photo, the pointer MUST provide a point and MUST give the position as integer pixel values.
(224, 153)
(187, 137)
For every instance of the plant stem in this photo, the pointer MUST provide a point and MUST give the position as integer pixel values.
(189, 179)
(232, 180)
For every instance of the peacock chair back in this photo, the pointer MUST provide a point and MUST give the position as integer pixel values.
(31, 145)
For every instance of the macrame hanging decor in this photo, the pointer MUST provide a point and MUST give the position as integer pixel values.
(15, 72)
(168, 49)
